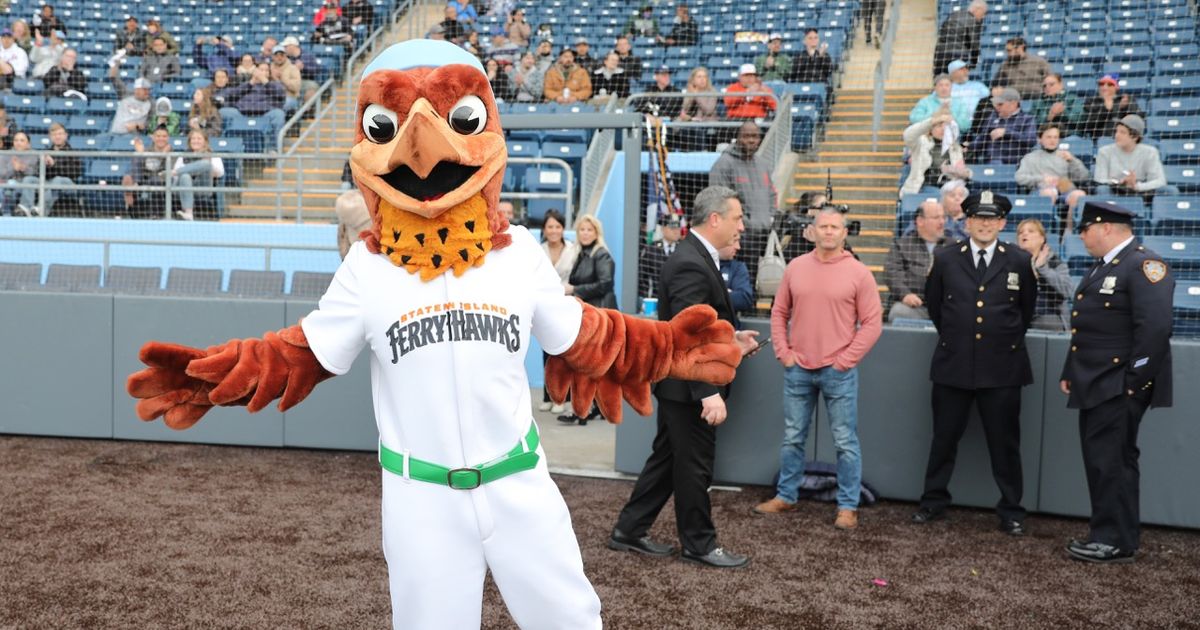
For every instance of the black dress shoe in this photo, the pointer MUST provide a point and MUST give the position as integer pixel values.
(619, 541)
(718, 558)
(568, 418)
(927, 515)
(1012, 528)
(1099, 553)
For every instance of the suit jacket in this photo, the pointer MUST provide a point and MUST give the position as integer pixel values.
(907, 266)
(690, 277)
(1121, 331)
(981, 325)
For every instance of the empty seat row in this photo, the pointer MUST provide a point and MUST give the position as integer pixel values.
(243, 283)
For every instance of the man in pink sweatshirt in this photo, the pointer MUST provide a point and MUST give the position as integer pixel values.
(826, 317)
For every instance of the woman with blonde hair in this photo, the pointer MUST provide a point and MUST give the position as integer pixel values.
(1054, 278)
(22, 35)
(195, 170)
(591, 280)
(698, 109)
(204, 115)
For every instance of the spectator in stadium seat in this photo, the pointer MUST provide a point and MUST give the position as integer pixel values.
(204, 115)
(609, 80)
(502, 87)
(665, 106)
(1021, 70)
(14, 62)
(60, 171)
(220, 88)
(330, 9)
(737, 279)
(133, 109)
(164, 115)
(260, 96)
(1129, 167)
(749, 106)
(1103, 110)
(585, 60)
(642, 24)
(566, 82)
(132, 39)
(908, 262)
(197, 168)
(775, 65)
(653, 255)
(361, 15)
(154, 29)
(933, 159)
(265, 51)
(16, 169)
(288, 76)
(471, 44)
(543, 55)
(46, 22)
(46, 53)
(466, 12)
(1052, 171)
(8, 128)
(508, 53)
(954, 193)
(684, 32)
(22, 35)
(742, 169)
(1007, 135)
(65, 78)
(813, 64)
(243, 71)
(1054, 278)
(528, 79)
(221, 55)
(452, 29)
(306, 63)
(147, 171)
(1058, 106)
(963, 87)
(159, 64)
(958, 37)
(983, 111)
(624, 49)
(334, 29)
(940, 98)
(544, 32)
(518, 29)
(699, 108)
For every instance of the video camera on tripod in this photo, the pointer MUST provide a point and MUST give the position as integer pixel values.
(801, 215)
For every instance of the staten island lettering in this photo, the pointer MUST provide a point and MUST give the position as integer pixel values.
(454, 321)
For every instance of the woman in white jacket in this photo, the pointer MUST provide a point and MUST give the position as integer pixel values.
(935, 156)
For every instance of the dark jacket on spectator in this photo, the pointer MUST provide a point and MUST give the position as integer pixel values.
(592, 277)
(617, 83)
(360, 9)
(309, 70)
(502, 87)
(958, 38)
(1020, 136)
(255, 99)
(220, 57)
(136, 39)
(70, 167)
(58, 80)
(814, 68)
(685, 33)
(1099, 122)
(668, 107)
(632, 65)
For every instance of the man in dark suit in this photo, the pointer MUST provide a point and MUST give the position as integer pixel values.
(688, 411)
(981, 296)
(654, 255)
(1119, 364)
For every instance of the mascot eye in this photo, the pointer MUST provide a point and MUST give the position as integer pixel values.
(379, 123)
(468, 116)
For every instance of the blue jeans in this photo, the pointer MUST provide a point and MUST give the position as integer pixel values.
(52, 193)
(840, 390)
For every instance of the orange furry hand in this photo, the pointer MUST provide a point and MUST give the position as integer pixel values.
(618, 356)
(181, 384)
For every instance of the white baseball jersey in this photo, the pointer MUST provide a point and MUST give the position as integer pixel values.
(449, 386)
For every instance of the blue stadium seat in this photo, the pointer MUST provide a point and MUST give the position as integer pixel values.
(102, 106)
(1176, 215)
(27, 87)
(87, 125)
(17, 104)
(60, 107)
(1175, 106)
(1177, 67)
(1181, 50)
(1033, 207)
(1128, 68)
(1173, 127)
(548, 179)
(1186, 151)
(995, 177)
(1081, 147)
(1181, 252)
(1171, 85)
(36, 123)
(1185, 176)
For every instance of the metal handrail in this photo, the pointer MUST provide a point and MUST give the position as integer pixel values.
(310, 103)
(778, 139)
(362, 50)
(883, 68)
(645, 96)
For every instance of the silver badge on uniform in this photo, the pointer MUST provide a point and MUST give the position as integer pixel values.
(1014, 281)
(1109, 284)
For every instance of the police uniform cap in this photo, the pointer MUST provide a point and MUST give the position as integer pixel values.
(986, 204)
(671, 221)
(1105, 212)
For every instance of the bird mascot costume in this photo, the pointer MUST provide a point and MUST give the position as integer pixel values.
(445, 295)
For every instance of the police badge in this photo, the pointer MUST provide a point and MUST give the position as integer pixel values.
(1155, 270)
(1109, 284)
(1014, 281)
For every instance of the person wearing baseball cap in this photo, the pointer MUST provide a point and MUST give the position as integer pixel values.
(962, 88)
(775, 65)
(582, 58)
(1008, 133)
(813, 64)
(1118, 366)
(665, 106)
(133, 109)
(981, 296)
(684, 32)
(1102, 110)
(1128, 166)
(740, 104)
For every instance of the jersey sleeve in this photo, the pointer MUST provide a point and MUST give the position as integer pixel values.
(556, 316)
(335, 331)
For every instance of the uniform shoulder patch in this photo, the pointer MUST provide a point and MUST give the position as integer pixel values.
(1155, 270)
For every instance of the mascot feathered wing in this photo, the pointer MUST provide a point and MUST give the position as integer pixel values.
(429, 157)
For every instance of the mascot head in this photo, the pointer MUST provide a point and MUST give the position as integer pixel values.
(429, 157)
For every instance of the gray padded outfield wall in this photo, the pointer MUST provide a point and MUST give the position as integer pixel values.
(64, 368)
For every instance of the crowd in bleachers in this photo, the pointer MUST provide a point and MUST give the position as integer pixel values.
(105, 81)
(1092, 99)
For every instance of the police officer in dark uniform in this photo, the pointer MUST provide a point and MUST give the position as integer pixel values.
(1119, 364)
(981, 295)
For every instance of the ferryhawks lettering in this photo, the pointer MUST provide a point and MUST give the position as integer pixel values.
(453, 322)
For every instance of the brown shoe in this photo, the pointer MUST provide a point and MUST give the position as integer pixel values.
(774, 506)
(846, 519)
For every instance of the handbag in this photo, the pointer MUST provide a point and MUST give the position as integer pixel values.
(770, 268)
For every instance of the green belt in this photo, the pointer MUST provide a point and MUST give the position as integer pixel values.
(522, 457)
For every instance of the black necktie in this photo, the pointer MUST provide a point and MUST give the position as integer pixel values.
(1096, 267)
(981, 268)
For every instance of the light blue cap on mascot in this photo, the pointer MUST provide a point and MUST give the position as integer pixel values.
(421, 53)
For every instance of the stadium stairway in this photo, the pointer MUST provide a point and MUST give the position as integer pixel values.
(322, 164)
(863, 176)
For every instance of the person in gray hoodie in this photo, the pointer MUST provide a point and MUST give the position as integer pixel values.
(741, 169)
(1052, 171)
(1128, 167)
(159, 64)
(133, 109)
